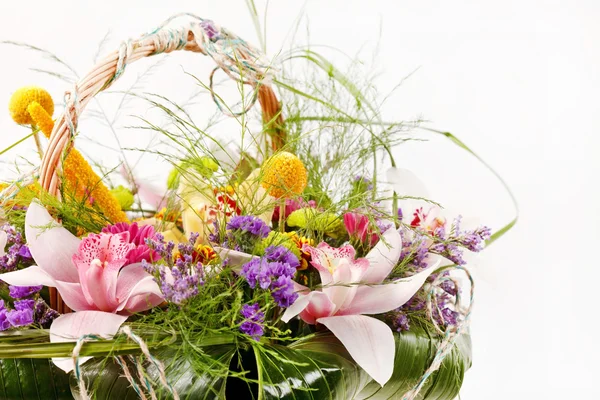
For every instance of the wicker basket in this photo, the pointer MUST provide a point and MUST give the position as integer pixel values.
(233, 55)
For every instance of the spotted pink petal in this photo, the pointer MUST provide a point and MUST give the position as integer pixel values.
(326, 258)
(369, 341)
(70, 327)
(51, 245)
(383, 257)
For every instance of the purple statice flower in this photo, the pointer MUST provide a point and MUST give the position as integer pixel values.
(16, 251)
(249, 223)
(210, 29)
(400, 215)
(216, 236)
(415, 250)
(4, 322)
(475, 240)
(179, 279)
(273, 276)
(19, 318)
(137, 236)
(416, 303)
(360, 180)
(18, 292)
(449, 316)
(23, 305)
(25, 253)
(42, 314)
(400, 322)
(244, 231)
(282, 290)
(254, 319)
(443, 314)
(282, 254)
(449, 286)
(383, 225)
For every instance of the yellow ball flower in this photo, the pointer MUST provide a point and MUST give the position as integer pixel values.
(23, 97)
(284, 175)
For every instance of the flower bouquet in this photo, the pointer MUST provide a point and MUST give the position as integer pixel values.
(287, 267)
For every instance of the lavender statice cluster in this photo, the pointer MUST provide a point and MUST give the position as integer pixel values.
(414, 249)
(25, 311)
(17, 252)
(254, 319)
(178, 275)
(452, 247)
(273, 272)
(244, 231)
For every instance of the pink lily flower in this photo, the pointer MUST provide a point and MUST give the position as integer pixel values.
(92, 276)
(352, 288)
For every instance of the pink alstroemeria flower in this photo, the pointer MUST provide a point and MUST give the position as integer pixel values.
(358, 227)
(91, 275)
(352, 288)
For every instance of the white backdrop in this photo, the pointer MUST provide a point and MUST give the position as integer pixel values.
(517, 80)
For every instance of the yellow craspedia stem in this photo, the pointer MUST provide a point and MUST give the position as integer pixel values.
(284, 175)
(78, 173)
(22, 98)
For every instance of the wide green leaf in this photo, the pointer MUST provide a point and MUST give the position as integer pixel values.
(316, 367)
(414, 353)
(30, 379)
(104, 377)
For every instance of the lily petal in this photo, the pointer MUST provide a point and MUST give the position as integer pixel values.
(383, 298)
(72, 295)
(3, 240)
(70, 292)
(236, 258)
(383, 257)
(137, 290)
(406, 183)
(51, 245)
(369, 341)
(141, 302)
(31, 276)
(296, 308)
(343, 286)
(70, 327)
(319, 306)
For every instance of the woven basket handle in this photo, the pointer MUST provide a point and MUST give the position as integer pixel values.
(238, 59)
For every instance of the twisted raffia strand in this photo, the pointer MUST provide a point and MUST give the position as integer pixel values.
(129, 377)
(75, 356)
(159, 365)
(233, 55)
(450, 335)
